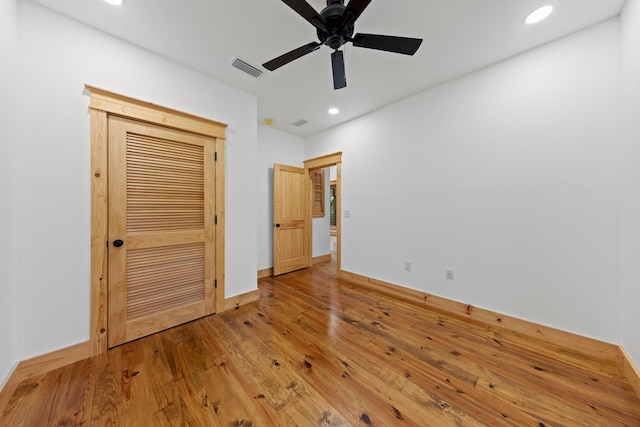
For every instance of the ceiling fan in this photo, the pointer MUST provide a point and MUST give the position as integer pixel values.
(335, 27)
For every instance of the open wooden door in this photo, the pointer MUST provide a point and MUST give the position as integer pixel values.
(161, 249)
(291, 219)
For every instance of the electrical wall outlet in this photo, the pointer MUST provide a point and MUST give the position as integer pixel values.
(407, 266)
(347, 214)
(449, 274)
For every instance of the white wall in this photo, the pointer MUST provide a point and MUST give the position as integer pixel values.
(8, 41)
(274, 146)
(57, 57)
(630, 183)
(509, 176)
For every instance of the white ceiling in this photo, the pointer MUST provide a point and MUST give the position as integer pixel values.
(460, 36)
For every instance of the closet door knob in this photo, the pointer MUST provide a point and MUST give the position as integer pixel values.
(118, 243)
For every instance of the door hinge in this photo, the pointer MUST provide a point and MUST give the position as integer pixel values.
(215, 283)
(215, 220)
(107, 243)
(215, 157)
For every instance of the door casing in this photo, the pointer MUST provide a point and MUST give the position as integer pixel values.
(103, 104)
(334, 159)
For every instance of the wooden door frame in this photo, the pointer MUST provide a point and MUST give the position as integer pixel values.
(334, 159)
(103, 104)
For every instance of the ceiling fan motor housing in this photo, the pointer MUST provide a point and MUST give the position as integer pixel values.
(335, 35)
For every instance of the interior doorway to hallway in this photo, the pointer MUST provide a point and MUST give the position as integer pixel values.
(332, 164)
(324, 220)
(295, 196)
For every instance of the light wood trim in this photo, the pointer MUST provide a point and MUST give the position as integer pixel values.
(317, 211)
(631, 370)
(42, 364)
(265, 272)
(124, 106)
(320, 259)
(8, 388)
(240, 300)
(339, 217)
(333, 159)
(210, 290)
(310, 195)
(489, 319)
(56, 359)
(102, 104)
(99, 222)
(323, 161)
(268, 272)
(220, 225)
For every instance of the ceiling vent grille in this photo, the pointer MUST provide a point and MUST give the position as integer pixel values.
(243, 65)
(300, 122)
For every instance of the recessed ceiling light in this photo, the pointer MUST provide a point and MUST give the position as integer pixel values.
(114, 2)
(539, 14)
(333, 111)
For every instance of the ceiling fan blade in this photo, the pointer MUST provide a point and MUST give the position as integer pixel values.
(353, 11)
(304, 9)
(404, 45)
(339, 75)
(291, 56)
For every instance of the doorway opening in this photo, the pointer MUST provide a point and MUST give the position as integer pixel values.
(333, 161)
(295, 204)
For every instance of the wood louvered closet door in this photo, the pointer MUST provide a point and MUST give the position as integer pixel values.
(162, 208)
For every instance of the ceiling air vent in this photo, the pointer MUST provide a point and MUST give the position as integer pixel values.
(300, 122)
(243, 65)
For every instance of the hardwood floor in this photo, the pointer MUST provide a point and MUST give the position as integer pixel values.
(317, 352)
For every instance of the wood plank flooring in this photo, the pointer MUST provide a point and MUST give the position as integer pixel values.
(318, 352)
